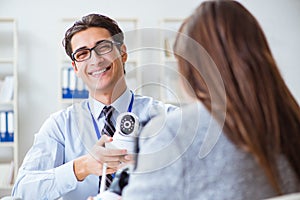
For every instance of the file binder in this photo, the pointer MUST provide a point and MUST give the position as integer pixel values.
(3, 126)
(10, 127)
(6, 126)
(65, 83)
(72, 86)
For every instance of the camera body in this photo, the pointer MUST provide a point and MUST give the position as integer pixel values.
(125, 137)
(127, 127)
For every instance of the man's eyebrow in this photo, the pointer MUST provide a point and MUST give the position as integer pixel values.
(105, 40)
(85, 47)
(81, 48)
(100, 41)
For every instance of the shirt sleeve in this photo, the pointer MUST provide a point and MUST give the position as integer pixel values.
(40, 177)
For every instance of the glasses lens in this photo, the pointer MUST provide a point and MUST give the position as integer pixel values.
(103, 47)
(82, 55)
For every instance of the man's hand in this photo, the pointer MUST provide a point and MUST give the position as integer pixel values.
(92, 163)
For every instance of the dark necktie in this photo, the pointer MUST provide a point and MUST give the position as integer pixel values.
(109, 130)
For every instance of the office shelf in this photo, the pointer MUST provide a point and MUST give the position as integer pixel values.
(8, 68)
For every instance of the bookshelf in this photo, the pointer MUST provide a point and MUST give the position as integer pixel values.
(72, 89)
(8, 104)
(170, 91)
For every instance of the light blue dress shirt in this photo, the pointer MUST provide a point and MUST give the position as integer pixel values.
(47, 169)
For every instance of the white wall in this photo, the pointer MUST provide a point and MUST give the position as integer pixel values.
(40, 44)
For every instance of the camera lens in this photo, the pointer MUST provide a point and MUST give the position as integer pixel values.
(127, 124)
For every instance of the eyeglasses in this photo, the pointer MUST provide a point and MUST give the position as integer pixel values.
(102, 47)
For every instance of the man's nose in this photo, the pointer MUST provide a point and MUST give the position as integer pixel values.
(95, 58)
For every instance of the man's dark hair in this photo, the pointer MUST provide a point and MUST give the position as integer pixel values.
(93, 20)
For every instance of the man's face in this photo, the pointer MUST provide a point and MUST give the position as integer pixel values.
(101, 72)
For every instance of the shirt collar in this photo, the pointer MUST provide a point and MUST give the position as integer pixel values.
(121, 104)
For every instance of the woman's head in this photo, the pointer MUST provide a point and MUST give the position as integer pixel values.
(256, 97)
(233, 39)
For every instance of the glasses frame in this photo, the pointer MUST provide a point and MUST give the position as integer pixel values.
(91, 49)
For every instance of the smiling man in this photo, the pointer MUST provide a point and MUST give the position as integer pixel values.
(66, 158)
